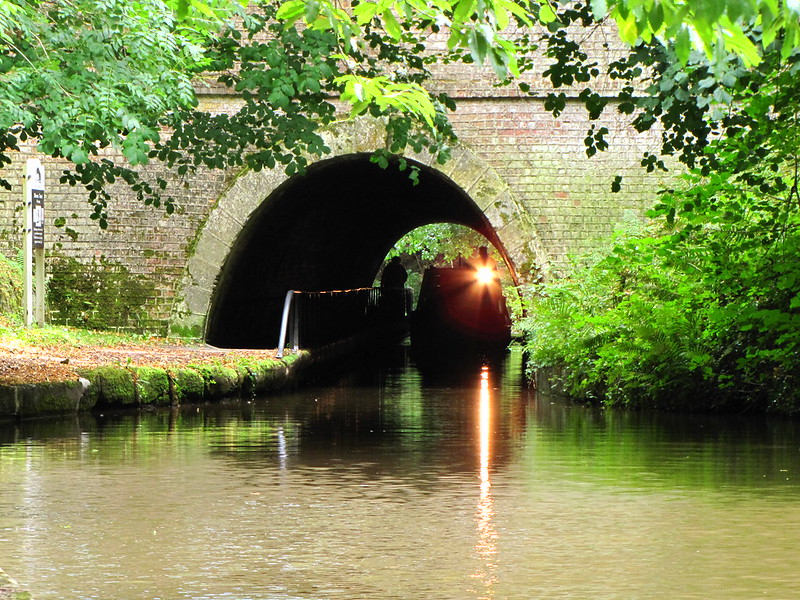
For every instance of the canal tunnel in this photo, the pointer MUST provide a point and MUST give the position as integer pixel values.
(329, 228)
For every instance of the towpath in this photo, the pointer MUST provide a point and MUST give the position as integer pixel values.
(25, 363)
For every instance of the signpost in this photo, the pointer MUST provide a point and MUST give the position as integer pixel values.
(34, 242)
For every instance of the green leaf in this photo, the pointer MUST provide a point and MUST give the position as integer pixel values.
(501, 17)
(739, 43)
(771, 28)
(683, 45)
(790, 40)
(311, 11)
(204, 8)
(546, 13)
(365, 12)
(477, 46)
(391, 25)
(79, 156)
(628, 29)
(515, 9)
(599, 9)
(291, 10)
(463, 9)
(656, 17)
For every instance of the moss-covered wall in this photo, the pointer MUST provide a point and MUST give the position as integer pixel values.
(10, 287)
(149, 245)
(101, 294)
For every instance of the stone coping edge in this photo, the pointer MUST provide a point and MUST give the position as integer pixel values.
(119, 386)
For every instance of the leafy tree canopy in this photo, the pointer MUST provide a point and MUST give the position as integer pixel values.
(440, 244)
(80, 75)
(715, 27)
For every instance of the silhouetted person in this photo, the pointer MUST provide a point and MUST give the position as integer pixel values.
(393, 280)
(394, 274)
(483, 260)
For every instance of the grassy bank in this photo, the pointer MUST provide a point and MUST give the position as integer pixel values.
(57, 370)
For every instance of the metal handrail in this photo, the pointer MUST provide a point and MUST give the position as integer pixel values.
(361, 315)
(287, 305)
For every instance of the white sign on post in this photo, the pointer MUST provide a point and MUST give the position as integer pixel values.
(34, 242)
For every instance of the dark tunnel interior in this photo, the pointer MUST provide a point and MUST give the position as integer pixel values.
(329, 228)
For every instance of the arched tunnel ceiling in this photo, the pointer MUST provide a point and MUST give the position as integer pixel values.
(327, 229)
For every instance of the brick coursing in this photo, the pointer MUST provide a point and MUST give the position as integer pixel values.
(541, 158)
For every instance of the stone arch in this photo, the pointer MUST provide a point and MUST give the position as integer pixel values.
(496, 214)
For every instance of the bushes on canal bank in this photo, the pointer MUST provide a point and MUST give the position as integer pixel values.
(704, 318)
(701, 311)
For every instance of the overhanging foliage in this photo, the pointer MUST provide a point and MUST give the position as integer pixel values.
(83, 75)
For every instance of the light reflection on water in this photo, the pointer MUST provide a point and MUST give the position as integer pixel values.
(487, 536)
(392, 485)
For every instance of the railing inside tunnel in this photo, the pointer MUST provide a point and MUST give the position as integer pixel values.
(314, 319)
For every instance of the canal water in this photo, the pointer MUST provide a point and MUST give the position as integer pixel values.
(393, 485)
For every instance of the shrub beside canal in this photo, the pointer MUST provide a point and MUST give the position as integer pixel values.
(672, 320)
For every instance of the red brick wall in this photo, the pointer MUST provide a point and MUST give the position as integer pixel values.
(541, 158)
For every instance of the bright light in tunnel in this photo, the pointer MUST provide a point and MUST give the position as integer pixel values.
(485, 275)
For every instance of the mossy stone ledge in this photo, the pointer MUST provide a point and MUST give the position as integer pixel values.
(128, 386)
(152, 386)
(186, 385)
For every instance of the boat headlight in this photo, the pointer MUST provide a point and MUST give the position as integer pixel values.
(484, 275)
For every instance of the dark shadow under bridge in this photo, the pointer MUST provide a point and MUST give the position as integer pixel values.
(329, 229)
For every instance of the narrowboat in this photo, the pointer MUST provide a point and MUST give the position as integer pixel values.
(460, 311)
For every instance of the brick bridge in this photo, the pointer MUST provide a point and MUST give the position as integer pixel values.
(241, 239)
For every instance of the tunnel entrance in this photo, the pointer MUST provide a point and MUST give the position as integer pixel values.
(327, 229)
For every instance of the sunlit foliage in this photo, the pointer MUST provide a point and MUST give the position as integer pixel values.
(79, 76)
(704, 310)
